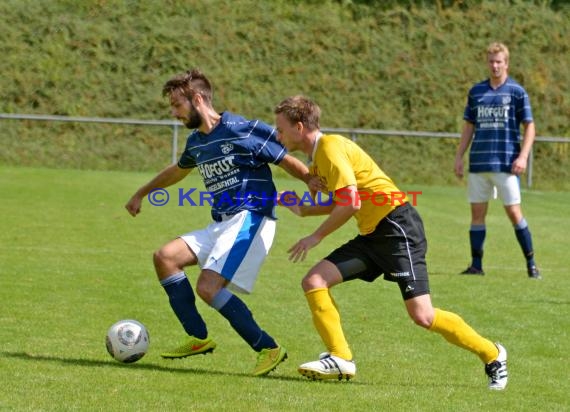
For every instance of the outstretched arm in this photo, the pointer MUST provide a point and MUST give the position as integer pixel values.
(167, 177)
(295, 168)
(339, 215)
(304, 207)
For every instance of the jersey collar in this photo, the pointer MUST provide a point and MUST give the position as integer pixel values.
(317, 138)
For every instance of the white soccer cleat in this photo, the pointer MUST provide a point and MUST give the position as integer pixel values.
(497, 370)
(328, 367)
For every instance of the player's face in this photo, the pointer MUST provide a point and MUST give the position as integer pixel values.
(498, 65)
(183, 109)
(288, 134)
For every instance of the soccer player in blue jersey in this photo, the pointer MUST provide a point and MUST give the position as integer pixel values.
(495, 110)
(232, 154)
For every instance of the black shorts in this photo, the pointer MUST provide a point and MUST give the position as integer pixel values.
(396, 249)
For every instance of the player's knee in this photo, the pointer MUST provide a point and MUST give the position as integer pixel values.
(157, 258)
(422, 319)
(164, 264)
(205, 292)
(313, 281)
(306, 284)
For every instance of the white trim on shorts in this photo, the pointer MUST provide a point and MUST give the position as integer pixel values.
(485, 186)
(235, 248)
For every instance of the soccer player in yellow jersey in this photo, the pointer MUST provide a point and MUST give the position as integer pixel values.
(391, 242)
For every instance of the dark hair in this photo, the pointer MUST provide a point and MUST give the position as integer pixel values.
(188, 84)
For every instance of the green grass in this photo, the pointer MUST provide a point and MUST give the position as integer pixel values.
(74, 262)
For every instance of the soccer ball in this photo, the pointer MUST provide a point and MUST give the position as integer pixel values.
(127, 341)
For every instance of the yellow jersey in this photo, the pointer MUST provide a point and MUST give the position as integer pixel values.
(340, 162)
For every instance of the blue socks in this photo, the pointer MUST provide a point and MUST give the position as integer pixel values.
(241, 319)
(525, 240)
(477, 238)
(183, 303)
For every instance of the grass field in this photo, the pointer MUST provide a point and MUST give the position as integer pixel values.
(73, 262)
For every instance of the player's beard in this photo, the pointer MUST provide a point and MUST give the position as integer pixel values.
(194, 120)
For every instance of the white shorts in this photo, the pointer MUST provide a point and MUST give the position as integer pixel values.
(235, 247)
(483, 187)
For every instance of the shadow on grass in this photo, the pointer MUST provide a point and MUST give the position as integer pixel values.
(147, 366)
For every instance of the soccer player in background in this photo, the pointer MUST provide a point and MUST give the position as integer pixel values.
(232, 154)
(391, 242)
(495, 109)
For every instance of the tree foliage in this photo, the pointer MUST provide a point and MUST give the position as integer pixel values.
(370, 64)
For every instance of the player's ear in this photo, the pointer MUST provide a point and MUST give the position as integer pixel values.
(196, 99)
(300, 127)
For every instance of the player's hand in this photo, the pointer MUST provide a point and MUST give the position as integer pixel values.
(459, 168)
(316, 184)
(298, 252)
(290, 200)
(133, 206)
(519, 166)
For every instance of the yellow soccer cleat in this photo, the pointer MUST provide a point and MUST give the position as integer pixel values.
(268, 359)
(193, 346)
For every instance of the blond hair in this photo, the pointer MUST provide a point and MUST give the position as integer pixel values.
(497, 47)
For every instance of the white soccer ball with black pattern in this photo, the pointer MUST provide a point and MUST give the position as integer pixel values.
(127, 341)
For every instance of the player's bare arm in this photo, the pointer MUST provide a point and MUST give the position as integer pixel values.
(295, 168)
(302, 207)
(521, 162)
(466, 136)
(167, 177)
(316, 184)
(341, 212)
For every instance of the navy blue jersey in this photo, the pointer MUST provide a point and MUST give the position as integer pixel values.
(233, 160)
(497, 115)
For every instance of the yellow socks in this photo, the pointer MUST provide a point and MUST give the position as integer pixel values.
(327, 322)
(451, 326)
(455, 330)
